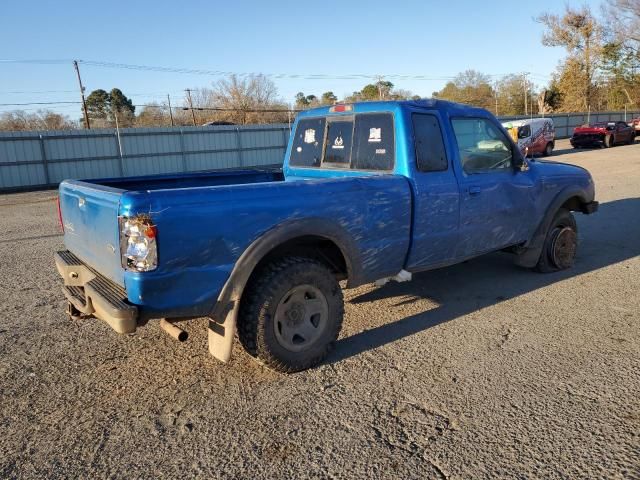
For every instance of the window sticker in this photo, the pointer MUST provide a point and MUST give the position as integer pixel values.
(338, 143)
(381, 151)
(299, 149)
(375, 135)
(310, 135)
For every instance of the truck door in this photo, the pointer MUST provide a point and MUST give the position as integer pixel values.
(496, 200)
(436, 194)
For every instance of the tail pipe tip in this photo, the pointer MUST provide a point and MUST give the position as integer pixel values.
(173, 330)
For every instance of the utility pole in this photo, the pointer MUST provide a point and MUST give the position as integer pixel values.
(193, 114)
(380, 88)
(84, 104)
(496, 95)
(170, 111)
(526, 94)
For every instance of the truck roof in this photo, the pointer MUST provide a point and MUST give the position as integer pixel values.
(452, 108)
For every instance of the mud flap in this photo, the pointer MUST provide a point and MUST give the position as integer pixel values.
(220, 336)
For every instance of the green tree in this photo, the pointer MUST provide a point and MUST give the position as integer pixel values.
(328, 98)
(621, 83)
(305, 101)
(118, 101)
(98, 105)
(380, 90)
(102, 108)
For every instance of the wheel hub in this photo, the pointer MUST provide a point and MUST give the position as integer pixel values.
(295, 314)
(563, 247)
(301, 318)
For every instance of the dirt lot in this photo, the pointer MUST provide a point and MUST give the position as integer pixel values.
(482, 370)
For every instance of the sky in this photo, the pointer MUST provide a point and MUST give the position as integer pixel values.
(434, 39)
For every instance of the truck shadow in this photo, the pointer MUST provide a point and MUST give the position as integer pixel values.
(610, 236)
(570, 149)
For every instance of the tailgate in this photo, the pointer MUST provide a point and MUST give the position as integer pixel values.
(91, 231)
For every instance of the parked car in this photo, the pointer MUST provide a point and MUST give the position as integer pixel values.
(635, 124)
(606, 134)
(368, 192)
(536, 136)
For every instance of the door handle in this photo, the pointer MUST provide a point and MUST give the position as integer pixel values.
(474, 190)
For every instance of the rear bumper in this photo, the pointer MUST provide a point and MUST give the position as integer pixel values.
(93, 294)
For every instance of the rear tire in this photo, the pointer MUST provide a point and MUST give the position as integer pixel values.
(632, 139)
(560, 243)
(548, 150)
(608, 141)
(291, 314)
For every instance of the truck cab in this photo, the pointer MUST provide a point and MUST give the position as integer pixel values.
(369, 192)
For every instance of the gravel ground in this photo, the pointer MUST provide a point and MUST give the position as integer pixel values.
(481, 370)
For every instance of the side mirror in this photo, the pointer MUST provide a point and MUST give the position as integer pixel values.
(521, 163)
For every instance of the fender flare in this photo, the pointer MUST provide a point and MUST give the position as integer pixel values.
(533, 248)
(224, 314)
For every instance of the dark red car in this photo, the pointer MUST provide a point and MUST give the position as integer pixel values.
(606, 134)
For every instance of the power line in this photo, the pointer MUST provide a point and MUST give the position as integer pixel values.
(218, 73)
(150, 105)
(36, 92)
(36, 103)
(306, 76)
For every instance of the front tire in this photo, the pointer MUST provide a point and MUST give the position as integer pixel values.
(560, 243)
(607, 142)
(291, 314)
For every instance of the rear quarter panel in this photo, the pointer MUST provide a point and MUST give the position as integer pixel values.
(203, 231)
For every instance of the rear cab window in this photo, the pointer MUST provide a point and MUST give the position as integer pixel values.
(364, 141)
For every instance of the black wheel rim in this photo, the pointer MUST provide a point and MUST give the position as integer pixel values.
(563, 247)
(301, 318)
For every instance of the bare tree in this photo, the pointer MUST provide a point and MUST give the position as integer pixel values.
(582, 37)
(470, 87)
(153, 115)
(40, 120)
(240, 100)
(623, 23)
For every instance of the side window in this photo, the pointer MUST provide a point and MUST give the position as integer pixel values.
(339, 140)
(524, 131)
(374, 146)
(306, 150)
(429, 145)
(482, 146)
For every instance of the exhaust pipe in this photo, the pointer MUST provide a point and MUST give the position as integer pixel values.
(174, 331)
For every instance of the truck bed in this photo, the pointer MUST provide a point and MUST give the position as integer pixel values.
(197, 179)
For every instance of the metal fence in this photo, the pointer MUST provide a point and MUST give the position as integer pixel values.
(44, 158)
(40, 159)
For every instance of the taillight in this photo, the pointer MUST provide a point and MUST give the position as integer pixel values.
(341, 108)
(60, 214)
(138, 243)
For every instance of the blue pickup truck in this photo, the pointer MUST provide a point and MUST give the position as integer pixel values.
(368, 192)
